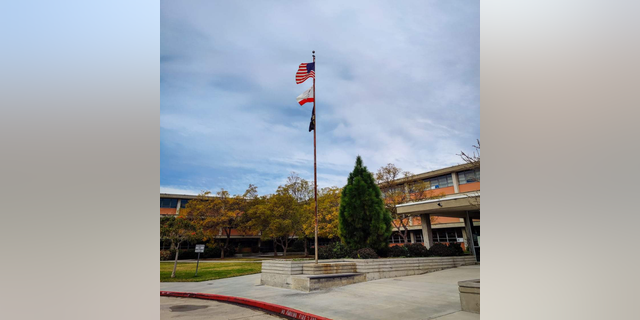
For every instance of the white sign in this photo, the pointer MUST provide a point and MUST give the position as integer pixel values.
(460, 239)
(199, 247)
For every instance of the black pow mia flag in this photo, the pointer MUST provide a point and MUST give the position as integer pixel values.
(312, 124)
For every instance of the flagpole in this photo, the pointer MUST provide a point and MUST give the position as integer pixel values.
(315, 173)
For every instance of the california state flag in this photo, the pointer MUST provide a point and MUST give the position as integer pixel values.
(306, 96)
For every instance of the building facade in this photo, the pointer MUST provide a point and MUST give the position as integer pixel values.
(454, 217)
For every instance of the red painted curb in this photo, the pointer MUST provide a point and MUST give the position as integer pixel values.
(281, 310)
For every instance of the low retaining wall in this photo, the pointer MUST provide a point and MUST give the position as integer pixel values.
(281, 273)
(288, 267)
(329, 268)
(391, 268)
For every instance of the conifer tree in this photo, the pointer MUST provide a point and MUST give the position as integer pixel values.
(363, 219)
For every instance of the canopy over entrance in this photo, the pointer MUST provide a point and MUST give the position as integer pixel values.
(460, 205)
(456, 206)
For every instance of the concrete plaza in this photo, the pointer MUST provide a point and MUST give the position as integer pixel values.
(427, 296)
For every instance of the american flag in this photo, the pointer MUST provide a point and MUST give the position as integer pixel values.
(305, 71)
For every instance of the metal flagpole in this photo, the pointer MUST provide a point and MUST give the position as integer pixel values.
(315, 174)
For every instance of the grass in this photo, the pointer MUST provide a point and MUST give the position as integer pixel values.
(185, 272)
(288, 257)
(233, 259)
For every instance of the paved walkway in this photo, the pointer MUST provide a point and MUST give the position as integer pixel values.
(428, 296)
(197, 309)
(215, 261)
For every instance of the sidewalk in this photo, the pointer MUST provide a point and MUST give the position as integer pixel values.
(428, 296)
(196, 309)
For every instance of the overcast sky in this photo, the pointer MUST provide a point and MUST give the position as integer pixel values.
(396, 82)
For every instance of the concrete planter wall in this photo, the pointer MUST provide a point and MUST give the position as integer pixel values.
(281, 273)
(285, 273)
(470, 295)
(401, 267)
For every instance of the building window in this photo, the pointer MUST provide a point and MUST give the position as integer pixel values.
(446, 235)
(419, 236)
(439, 182)
(469, 176)
(168, 203)
(394, 189)
(183, 203)
(397, 238)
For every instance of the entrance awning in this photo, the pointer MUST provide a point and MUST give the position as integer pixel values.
(455, 205)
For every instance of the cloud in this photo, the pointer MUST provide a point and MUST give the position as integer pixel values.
(167, 189)
(396, 82)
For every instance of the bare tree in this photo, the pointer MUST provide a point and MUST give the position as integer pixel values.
(473, 160)
(400, 187)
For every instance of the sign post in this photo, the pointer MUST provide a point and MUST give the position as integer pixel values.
(199, 249)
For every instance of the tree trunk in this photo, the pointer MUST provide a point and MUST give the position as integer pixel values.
(306, 251)
(284, 246)
(175, 262)
(226, 245)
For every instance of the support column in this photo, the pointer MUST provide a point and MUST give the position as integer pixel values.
(427, 235)
(456, 183)
(468, 225)
(178, 207)
(413, 237)
(465, 237)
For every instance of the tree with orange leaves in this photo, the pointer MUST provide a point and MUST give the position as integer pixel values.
(328, 209)
(217, 215)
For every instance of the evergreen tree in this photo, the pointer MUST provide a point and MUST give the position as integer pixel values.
(363, 219)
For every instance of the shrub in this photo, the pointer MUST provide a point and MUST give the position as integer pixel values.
(455, 249)
(439, 250)
(417, 250)
(398, 251)
(210, 252)
(364, 253)
(184, 254)
(231, 250)
(442, 250)
(165, 255)
(335, 250)
(383, 252)
(324, 252)
(297, 246)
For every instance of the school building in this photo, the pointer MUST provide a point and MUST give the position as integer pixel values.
(452, 218)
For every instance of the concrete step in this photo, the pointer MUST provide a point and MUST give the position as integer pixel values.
(309, 283)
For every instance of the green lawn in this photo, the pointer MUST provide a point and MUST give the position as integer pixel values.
(288, 257)
(185, 272)
(234, 259)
